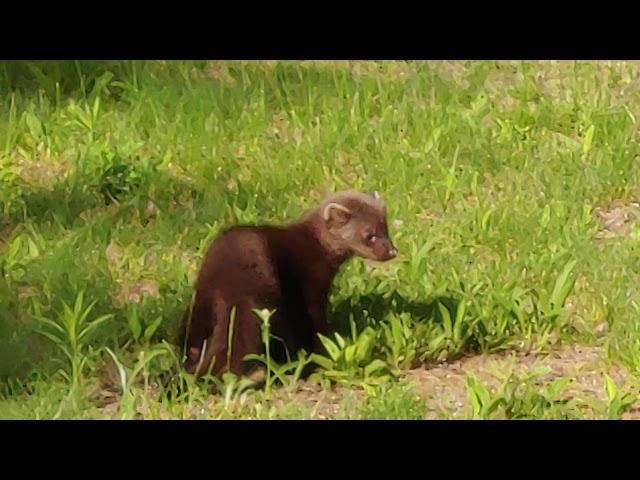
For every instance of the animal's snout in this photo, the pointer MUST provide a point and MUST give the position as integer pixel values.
(390, 252)
(384, 250)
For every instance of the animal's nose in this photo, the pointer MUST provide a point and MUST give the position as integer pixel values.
(393, 252)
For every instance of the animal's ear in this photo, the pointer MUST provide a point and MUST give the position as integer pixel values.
(336, 213)
(376, 196)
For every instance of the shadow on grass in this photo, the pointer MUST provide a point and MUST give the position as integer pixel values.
(378, 307)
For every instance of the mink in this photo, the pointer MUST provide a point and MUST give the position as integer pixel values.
(287, 269)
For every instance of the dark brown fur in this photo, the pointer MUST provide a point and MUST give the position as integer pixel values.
(286, 269)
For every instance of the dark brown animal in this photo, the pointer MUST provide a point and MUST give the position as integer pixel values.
(287, 269)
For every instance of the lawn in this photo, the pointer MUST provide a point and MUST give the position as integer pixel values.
(512, 192)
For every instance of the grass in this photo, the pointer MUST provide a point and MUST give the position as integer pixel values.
(115, 176)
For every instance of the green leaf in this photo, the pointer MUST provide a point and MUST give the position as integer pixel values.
(462, 308)
(364, 345)
(432, 140)
(144, 360)
(588, 139)
(493, 406)
(610, 387)
(303, 361)
(85, 314)
(79, 301)
(476, 405)
(457, 328)
(121, 370)
(52, 324)
(34, 125)
(484, 222)
(350, 354)
(323, 362)
(134, 324)
(33, 248)
(331, 347)
(96, 108)
(546, 216)
(264, 314)
(396, 329)
(446, 320)
(93, 325)
(375, 366)
(255, 356)
(354, 332)
(337, 374)
(437, 342)
(555, 387)
(562, 286)
(478, 395)
(14, 248)
(151, 329)
(57, 341)
(100, 84)
(230, 333)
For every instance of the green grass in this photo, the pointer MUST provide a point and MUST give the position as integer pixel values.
(115, 176)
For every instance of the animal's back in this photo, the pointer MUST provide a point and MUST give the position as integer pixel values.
(241, 263)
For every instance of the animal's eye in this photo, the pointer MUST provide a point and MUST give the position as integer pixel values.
(371, 238)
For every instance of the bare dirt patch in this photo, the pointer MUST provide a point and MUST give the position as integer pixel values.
(444, 387)
(619, 218)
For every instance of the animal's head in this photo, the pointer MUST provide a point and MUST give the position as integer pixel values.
(357, 222)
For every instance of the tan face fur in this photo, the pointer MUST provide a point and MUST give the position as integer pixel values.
(357, 223)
